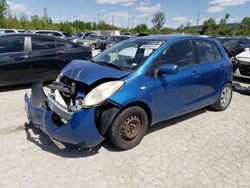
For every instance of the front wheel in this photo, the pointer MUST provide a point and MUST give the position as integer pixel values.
(129, 128)
(225, 98)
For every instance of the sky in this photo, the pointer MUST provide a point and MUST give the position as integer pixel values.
(177, 12)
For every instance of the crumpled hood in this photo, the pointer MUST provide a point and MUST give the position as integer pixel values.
(89, 73)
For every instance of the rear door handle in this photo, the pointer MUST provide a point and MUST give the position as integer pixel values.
(21, 58)
(195, 74)
(61, 53)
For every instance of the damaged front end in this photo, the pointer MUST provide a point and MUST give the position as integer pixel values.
(77, 109)
(59, 113)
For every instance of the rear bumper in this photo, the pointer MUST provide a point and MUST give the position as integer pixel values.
(78, 128)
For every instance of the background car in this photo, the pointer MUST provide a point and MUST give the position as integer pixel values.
(81, 35)
(112, 40)
(28, 58)
(234, 44)
(59, 34)
(93, 41)
(237, 51)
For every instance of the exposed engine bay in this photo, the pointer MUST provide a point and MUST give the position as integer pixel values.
(69, 93)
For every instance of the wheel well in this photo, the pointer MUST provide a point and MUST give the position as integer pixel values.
(143, 106)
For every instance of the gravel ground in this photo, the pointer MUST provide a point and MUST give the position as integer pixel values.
(200, 149)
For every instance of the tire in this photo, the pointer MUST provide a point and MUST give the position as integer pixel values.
(129, 128)
(224, 99)
(92, 46)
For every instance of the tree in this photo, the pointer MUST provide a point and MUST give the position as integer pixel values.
(3, 8)
(141, 28)
(209, 27)
(246, 21)
(223, 21)
(159, 20)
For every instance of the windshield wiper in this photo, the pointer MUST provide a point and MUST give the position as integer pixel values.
(107, 64)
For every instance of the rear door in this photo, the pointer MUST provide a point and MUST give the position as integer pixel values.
(75, 51)
(48, 65)
(14, 67)
(212, 69)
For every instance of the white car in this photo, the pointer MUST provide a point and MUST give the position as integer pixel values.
(8, 31)
(54, 33)
(243, 60)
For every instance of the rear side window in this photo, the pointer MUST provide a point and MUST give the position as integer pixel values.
(56, 34)
(180, 54)
(60, 44)
(208, 51)
(39, 43)
(9, 31)
(13, 44)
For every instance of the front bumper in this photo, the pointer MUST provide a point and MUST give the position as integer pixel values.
(79, 127)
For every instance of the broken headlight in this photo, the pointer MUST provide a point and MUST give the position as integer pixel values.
(101, 93)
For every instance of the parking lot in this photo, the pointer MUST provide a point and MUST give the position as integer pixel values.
(201, 149)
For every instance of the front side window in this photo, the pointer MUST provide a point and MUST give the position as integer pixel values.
(128, 55)
(208, 52)
(180, 54)
(39, 43)
(13, 44)
(247, 42)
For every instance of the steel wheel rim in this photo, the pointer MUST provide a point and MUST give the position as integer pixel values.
(226, 96)
(131, 128)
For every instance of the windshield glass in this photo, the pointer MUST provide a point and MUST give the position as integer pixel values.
(129, 55)
(230, 44)
(67, 34)
(92, 37)
(113, 38)
(79, 35)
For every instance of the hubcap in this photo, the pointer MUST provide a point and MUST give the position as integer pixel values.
(225, 96)
(131, 127)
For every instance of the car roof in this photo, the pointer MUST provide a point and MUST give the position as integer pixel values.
(168, 38)
(30, 34)
(231, 37)
(53, 31)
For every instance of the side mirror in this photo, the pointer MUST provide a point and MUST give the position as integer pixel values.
(168, 69)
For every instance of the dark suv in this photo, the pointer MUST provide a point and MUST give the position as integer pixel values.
(27, 58)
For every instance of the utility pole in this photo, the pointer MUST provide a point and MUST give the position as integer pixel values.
(99, 15)
(45, 14)
(129, 14)
(198, 20)
(112, 20)
(133, 20)
(60, 18)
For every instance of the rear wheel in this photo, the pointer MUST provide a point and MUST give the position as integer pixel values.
(129, 128)
(92, 46)
(225, 98)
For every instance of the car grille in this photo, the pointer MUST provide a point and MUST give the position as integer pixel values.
(244, 70)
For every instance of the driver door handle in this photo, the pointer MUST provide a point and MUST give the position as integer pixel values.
(195, 74)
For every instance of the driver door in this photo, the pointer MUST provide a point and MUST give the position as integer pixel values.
(178, 93)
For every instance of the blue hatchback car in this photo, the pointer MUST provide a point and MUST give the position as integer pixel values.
(130, 87)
